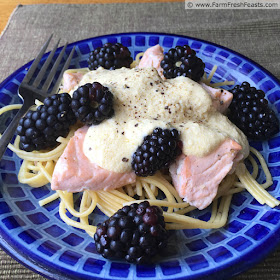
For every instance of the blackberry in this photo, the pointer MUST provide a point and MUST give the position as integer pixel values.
(92, 103)
(156, 152)
(250, 112)
(182, 61)
(134, 233)
(38, 130)
(110, 56)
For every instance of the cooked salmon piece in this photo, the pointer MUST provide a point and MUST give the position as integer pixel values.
(152, 58)
(221, 97)
(74, 172)
(70, 80)
(197, 179)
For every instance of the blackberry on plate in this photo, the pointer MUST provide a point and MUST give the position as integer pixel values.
(92, 103)
(157, 151)
(134, 233)
(182, 61)
(38, 130)
(249, 110)
(110, 56)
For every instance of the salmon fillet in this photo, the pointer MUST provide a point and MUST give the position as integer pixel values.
(70, 80)
(197, 179)
(221, 97)
(152, 58)
(74, 172)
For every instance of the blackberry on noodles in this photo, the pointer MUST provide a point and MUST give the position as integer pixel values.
(135, 233)
(92, 103)
(182, 61)
(39, 129)
(157, 151)
(110, 56)
(249, 110)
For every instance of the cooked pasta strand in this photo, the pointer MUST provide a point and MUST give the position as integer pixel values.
(67, 220)
(162, 203)
(260, 194)
(189, 222)
(49, 199)
(148, 190)
(221, 84)
(269, 180)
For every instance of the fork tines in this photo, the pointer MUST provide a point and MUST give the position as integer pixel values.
(49, 78)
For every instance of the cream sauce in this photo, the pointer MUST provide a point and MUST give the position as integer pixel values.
(142, 102)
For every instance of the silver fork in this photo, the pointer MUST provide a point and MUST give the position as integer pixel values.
(30, 91)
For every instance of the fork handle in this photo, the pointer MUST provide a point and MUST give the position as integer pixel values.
(10, 130)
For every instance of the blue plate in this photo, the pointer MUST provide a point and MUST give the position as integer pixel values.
(36, 236)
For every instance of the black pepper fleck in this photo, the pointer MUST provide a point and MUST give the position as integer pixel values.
(124, 159)
(151, 84)
(136, 125)
(162, 93)
(123, 133)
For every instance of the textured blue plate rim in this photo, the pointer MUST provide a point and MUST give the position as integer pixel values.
(227, 270)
